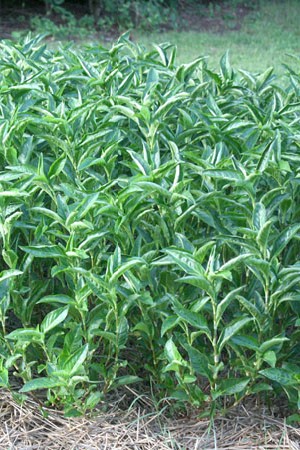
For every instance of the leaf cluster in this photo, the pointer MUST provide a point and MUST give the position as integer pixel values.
(149, 226)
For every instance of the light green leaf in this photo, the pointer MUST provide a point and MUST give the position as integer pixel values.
(173, 354)
(44, 251)
(40, 383)
(76, 360)
(54, 318)
(6, 274)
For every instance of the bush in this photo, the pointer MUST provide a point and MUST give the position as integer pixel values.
(149, 226)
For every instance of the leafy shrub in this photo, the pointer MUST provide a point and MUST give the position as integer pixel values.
(149, 226)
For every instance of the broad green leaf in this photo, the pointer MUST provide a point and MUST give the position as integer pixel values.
(186, 261)
(283, 239)
(26, 334)
(234, 262)
(57, 298)
(125, 380)
(44, 251)
(259, 216)
(40, 383)
(173, 354)
(199, 282)
(231, 386)
(270, 358)
(106, 335)
(76, 360)
(193, 318)
(132, 263)
(6, 274)
(229, 175)
(271, 343)
(168, 324)
(199, 362)
(54, 318)
(231, 330)
(225, 66)
(4, 381)
(245, 341)
(221, 307)
(281, 376)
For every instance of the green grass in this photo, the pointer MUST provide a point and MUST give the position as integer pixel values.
(267, 37)
(264, 40)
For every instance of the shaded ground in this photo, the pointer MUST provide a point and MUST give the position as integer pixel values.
(217, 18)
(28, 428)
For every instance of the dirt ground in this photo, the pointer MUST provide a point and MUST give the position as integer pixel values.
(28, 427)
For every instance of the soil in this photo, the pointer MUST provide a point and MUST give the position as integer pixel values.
(27, 426)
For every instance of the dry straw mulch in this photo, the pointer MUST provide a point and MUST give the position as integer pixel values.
(26, 428)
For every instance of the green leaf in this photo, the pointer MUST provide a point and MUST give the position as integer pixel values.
(40, 383)
(270, 358)
(221, 307)
(259, 216)
(57, 298)
(173, 354)
(44, 251)
(168, 324)
(134, 262)
(199, 362)
(54, 318)
(229, 175)
(193, 318)
(76, 360)
(283, 239)
(231, 386)
(186, 261)
(125, 380)
(199, 282)
(26, 334)
(6, 274)
(229, 331)
(232, 263)
(271, 343)
(4, 381)
(225, 66)
(281, 376)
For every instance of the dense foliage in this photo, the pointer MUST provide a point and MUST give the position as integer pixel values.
(123, 14)
(149, 226)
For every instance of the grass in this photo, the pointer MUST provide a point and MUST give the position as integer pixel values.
(265, 39)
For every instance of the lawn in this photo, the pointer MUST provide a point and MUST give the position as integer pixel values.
(265, 38)
(257, 38)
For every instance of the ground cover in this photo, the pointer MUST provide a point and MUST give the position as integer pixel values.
(258, 34)
(141, 427)
(257, 39)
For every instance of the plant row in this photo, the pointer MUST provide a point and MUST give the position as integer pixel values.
(149, 226)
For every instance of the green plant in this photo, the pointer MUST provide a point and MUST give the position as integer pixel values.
(70, 27)
(149, 226)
